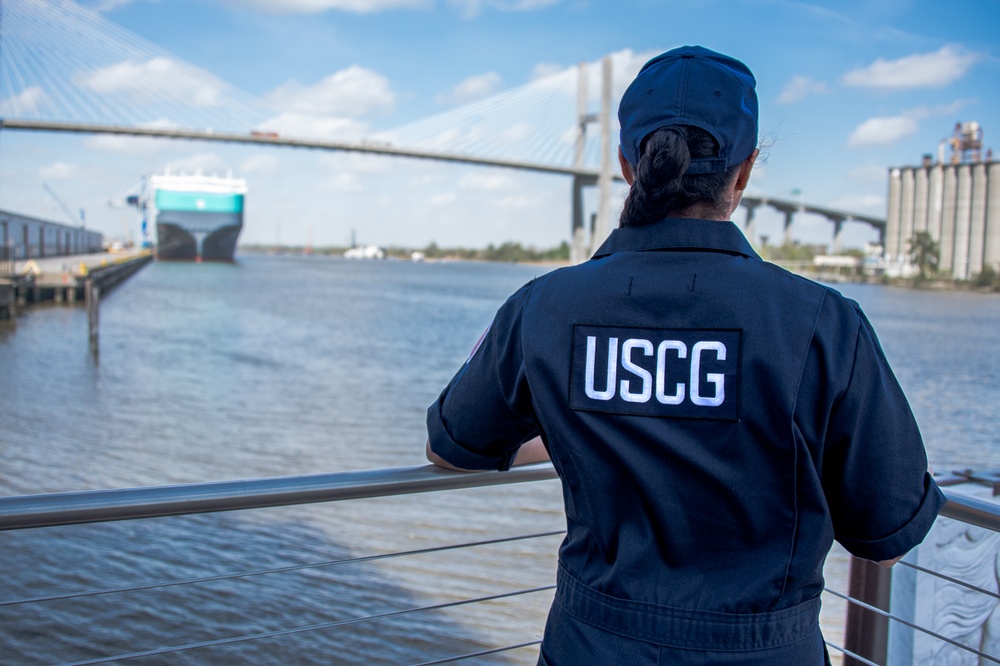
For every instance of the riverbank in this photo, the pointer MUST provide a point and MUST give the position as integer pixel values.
(989, 285)
(508, 252)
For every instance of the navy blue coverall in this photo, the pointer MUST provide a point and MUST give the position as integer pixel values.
(716, 422)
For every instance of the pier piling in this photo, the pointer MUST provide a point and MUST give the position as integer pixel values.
(92, 296)
(6, 298)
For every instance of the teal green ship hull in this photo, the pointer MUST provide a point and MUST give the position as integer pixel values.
(198, 226)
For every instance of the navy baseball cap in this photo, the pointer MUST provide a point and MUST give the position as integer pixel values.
(692, 85)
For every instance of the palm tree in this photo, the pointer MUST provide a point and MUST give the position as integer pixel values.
(925, 252)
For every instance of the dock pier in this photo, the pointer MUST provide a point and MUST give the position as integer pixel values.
(67, 278)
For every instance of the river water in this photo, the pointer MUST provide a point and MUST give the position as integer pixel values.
(295, 365)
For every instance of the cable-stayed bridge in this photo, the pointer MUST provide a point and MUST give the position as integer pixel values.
(65, 68)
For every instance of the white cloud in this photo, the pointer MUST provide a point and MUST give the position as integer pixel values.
(625, 64)
(471, 89)
(319, 6)
(519, 202)
(544, 69)
(799, 88)
(950, 109)
(156, 77)
(357, 163)
(128, 145)
(881, 131)
(315, 126)
(204, 163)
(263, 163)
(25, 102)
(921, 70)
(884, 130)
(107, 5)
(443, 199)
(344, 182)
(484, 181)
(758, 178)
(351, 93)
(470, 8)
(161, 123)
(131, 145)
(859, 203)
(868, 173)
(60, 171)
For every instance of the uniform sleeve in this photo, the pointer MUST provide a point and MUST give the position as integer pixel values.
(485, 413)
(882, 499)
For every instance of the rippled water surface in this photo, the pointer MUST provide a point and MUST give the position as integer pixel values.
(295, 365)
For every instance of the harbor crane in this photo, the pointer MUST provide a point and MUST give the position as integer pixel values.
(65, 208)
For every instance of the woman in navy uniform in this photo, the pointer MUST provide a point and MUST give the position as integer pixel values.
(716, 421)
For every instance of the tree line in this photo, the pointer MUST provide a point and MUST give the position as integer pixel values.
(506, 252)
(925, 253)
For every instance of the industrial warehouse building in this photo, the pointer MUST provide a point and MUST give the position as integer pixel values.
(23, 237)
(957, 203)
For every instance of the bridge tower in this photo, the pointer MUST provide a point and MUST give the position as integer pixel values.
(578, 238)
(600, 227)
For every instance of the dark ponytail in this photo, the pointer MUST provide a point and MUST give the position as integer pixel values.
(662, 188)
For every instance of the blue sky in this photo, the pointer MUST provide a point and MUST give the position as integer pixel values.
(847, 90)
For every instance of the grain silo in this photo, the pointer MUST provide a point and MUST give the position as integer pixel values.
(956, 201)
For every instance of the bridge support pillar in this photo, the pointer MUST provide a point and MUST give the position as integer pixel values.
(578, 248)
(748, 226)
(838, 232)
(789, 214)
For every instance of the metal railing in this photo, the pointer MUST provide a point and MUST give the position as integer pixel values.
(102, 506)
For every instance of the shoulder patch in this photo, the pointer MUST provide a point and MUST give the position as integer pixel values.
(683, 373)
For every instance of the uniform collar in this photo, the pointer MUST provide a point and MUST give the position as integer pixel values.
(679, 234)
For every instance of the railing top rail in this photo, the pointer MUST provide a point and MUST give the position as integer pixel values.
(972, 510)
(73, 508)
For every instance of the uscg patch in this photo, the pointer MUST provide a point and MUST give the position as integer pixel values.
(683, 373)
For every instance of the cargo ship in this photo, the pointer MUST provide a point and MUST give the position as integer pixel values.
(198, 218)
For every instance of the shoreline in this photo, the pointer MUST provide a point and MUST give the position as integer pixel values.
(926, 284)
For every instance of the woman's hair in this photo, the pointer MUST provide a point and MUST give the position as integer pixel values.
(662, 188)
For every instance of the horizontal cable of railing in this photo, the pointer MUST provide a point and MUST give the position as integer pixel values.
(481, 653)
(916, 627)
(280, 570)
(313, 627)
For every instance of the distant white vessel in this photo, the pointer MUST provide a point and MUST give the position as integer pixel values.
(365, 252)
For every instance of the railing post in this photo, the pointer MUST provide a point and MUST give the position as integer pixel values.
(866, 633)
